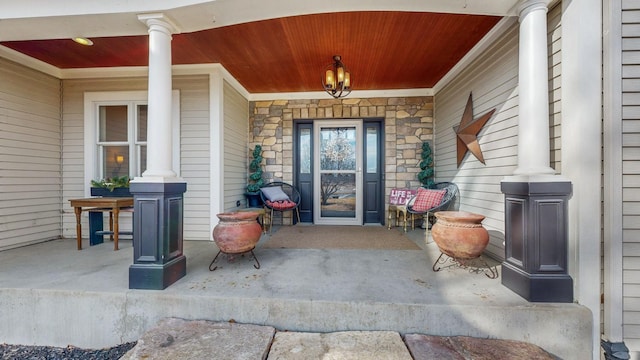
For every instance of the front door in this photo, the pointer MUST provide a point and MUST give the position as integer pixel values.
(307, 164)
(337, 172)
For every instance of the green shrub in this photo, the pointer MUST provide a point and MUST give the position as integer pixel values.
(426, 165)
(255, 166)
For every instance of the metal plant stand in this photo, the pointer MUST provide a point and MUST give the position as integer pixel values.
(256, 265)
(470, 264)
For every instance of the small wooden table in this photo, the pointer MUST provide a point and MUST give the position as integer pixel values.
(111, 204)
(399, 209)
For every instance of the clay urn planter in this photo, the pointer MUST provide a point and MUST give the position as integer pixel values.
(237, 232)
(460, 234)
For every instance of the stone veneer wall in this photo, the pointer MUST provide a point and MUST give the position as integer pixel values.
(407, 123)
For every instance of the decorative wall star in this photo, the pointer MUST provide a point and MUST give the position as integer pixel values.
(467, 132)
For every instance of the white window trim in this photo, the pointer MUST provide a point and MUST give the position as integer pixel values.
(91, 170)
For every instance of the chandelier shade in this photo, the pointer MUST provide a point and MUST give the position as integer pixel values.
(337, 79)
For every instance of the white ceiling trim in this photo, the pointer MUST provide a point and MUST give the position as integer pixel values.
(322, 95)
(29, 62)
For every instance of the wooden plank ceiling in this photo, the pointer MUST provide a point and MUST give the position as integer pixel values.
(382, 50)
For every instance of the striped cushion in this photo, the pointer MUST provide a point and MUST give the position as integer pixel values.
(428, 199)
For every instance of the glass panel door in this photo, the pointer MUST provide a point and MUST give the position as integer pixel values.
(338, 173)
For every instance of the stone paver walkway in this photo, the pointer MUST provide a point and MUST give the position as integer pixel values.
(200, 339)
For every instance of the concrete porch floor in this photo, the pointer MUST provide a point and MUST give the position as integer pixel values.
(53, 294)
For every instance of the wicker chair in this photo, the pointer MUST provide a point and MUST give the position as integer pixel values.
(278, 203)
(447, 203)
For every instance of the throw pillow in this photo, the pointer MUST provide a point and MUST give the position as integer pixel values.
(281, 205)
(427, 199)
(274, 193)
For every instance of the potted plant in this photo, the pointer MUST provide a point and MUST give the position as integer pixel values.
(117, 186)
(426, 165)
(255, 178)
(425, 176)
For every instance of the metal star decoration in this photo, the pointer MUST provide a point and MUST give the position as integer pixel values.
(467, 132)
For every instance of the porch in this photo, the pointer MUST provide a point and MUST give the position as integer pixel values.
(53, 294)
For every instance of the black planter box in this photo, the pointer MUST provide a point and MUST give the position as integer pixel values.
(253, 199)
(104, 192)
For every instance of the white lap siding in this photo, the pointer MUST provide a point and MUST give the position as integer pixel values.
(236, 128)
(194, 153)
(631, 171)
(30, 181)
(493, 80)
(554, 40)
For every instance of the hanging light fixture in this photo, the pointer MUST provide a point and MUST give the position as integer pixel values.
(337, 79)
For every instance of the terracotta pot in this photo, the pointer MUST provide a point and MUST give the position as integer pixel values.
(460, 234)
(237, 232)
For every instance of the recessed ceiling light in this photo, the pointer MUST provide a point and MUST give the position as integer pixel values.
(83, 41)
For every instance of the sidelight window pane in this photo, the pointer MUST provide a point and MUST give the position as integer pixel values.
(305, 151)
(372, 150)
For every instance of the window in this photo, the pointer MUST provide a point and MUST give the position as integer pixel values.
(122, 139)
(372, 150)
(305, 151)
(115, 134)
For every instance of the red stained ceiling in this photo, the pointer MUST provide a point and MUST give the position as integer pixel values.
(383, 50)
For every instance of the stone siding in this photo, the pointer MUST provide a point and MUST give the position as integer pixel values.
(407, 123)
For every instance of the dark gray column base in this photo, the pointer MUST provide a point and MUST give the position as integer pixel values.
(536, 222)
(538, 287)
(157, 276)
(158, 260)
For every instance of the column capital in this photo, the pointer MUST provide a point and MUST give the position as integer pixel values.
(527, 6)
(159, 21)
